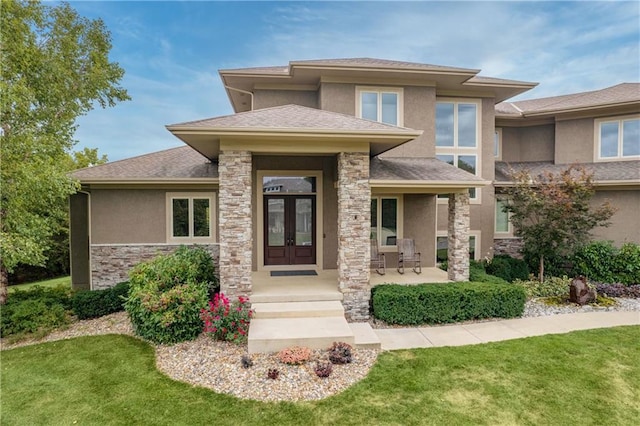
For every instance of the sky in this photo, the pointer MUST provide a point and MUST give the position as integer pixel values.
(171, 51)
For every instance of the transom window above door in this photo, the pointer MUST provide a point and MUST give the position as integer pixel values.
(380, 104)
(289, 185)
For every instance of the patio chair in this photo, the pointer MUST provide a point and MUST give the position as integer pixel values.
(407, 254)
(377, 259)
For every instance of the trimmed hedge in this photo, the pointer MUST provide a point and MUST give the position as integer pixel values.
(601, 261)
(446, 303)
(508, 268)
(98, 303)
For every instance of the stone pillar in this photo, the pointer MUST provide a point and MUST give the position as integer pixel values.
(235, 223)
(354, 228)
(458, 241)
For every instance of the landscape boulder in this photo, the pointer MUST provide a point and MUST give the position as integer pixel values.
(580, 292)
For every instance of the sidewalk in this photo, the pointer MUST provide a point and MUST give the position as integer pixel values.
(493, 331)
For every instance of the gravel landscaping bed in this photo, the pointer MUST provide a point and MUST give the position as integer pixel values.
(537, 308)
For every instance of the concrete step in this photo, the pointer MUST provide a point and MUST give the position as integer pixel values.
(275, 334)
(299, 295)
(298, 309)
(364, 336)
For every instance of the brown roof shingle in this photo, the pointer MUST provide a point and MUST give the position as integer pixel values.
(418, 168)
(602, 172)
(293, 117)
(174, 163)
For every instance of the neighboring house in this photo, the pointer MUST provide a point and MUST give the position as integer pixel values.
(320, 156)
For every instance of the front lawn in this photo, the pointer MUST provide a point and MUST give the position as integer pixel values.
(585, 377)
(55, 282)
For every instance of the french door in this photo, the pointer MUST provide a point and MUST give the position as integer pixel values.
(289, 229)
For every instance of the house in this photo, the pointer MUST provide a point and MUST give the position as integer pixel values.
(321, 156)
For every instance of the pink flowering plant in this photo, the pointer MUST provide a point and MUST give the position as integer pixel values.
(228, 321)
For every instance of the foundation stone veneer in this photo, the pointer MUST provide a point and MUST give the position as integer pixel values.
(354, 227)
(509, 246)
(458, 241)
(110, 264)
(235, 223)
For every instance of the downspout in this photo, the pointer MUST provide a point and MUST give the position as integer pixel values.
(241, 91)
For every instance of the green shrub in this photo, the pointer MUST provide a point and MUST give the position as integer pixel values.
(478, 274)
(508, 268)
(98, 303)
(39, 309)
(167, 294)
(601, 261)
(446, 303)
(552, 286)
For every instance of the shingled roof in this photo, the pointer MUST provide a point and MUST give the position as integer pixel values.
(171, 164)
(603, 173)
(419, 169)
(293, 117)
(624, 93)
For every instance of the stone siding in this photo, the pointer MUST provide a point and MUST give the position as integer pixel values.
(510, 246)
(110, 264)
(235, 223)
(354, 227)
(458, 237)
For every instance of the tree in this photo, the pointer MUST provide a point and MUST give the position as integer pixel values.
(552, 213)
(55, 68)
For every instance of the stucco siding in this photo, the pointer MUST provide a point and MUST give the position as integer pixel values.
(625, 224)
(535, 143)
(338, 97)
(574, 141)
(419, 114)
(128, 216)
(419, 224)
(272, 98)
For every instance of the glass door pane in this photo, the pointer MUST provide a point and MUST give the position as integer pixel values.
(275, 216)
(304, 222)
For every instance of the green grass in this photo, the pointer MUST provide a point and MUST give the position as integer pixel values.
(585, 377)
(65, 281)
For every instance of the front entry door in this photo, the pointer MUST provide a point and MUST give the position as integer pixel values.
(290, 229)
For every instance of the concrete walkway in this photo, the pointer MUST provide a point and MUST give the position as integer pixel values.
(493, 331)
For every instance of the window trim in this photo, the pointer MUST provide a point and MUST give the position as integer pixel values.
(399, 91)
(598, 141)
(509, 231)
(498, 133)
(211, 196)
(399, 217)
(456, 151)
(477, 245)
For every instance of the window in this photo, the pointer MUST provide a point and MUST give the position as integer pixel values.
(385, 223)
(380, 104)
(618, 139)
(442, 244)
(190, 217)
(497, 144)
(503, 225)
(457, 136)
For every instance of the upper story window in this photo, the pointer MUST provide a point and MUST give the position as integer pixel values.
(457, 136)
(190, 217)
(497, 144)
(380, 104)
(618, 138)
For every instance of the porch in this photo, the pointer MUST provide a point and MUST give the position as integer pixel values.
(307, 310)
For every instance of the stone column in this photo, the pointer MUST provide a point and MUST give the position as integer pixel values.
(235, 223)
(354, 227)
(458, 241)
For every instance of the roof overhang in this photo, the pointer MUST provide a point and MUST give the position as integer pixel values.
(607, 184)
(424, 186)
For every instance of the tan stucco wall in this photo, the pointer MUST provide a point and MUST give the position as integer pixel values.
(130, 216)
(535, 143)
(419, 224)
(328, 166)
(625, 224)
(419, 113)
(574, 141)
(338, 97)
(272, 98)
